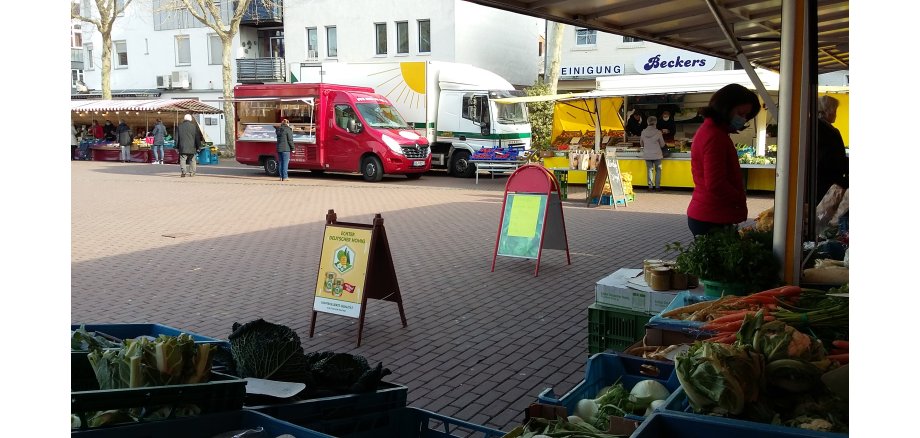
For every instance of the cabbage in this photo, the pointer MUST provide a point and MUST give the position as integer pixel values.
(718, 377)
(268, 351)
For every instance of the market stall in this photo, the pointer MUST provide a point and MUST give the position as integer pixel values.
(140, 116)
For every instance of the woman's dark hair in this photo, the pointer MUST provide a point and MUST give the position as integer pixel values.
(726, 99)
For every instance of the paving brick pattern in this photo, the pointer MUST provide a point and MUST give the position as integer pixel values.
(480, 345)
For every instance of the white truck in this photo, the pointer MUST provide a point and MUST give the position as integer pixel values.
(450, 102)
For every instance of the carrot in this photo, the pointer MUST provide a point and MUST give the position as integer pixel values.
(726, 327)
(757, 299)
(842, 358)
(841, 344)
(732, 316)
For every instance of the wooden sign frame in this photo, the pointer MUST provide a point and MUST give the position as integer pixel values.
(609, 172)
(532, 179)
(380, 282)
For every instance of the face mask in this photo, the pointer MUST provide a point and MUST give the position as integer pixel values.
(738, 122)
(665, 118)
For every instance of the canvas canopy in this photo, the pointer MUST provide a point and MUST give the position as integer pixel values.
(187, 106)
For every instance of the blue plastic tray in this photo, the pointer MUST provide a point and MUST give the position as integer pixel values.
(663, 424)
(203, 426)
(407, 422)
(130, 331)
(604, 369)
(682, 299)
(678, 405)
(388, 396)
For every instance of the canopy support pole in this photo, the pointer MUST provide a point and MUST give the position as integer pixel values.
(742, 59)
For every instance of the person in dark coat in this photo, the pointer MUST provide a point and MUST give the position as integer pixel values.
(108, 131)
(125, 137)
(667, 126)
(285, 137)
(636, 124)
(833, 166)
(188, 143)
(159, 138)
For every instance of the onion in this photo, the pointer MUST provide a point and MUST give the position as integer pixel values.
(647, 391)
(586, 409)
(655, 405)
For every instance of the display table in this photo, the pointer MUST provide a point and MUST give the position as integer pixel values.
(564, 173)
(107, 153)
(496, 166)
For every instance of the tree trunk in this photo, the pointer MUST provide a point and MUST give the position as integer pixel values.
(106, 64)
(229, 114)
(555, 51)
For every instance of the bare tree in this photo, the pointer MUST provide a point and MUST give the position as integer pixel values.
(208, 12)
(108, 11)
(554, 50)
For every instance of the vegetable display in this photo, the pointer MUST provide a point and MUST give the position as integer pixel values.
(573, 427)
(618, 401)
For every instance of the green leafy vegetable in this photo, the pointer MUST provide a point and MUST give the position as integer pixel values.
(718, 377)
(268, 351)
(82, 340)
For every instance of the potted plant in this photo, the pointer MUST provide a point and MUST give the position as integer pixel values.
(729, 262)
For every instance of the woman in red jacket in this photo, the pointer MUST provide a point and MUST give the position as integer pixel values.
(719, 198)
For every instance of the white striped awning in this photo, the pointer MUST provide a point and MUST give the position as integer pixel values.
(190, 106)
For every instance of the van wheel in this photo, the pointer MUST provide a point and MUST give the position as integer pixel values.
(271, 166)
(460, 165)
(413, 175)
(371, 169)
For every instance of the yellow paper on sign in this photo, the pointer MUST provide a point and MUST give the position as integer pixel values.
(524, 214)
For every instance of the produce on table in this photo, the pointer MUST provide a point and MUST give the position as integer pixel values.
(730, 256)
(265, 350)
(141, 362)
(562, 428)
(82, 340)
(771, 373)
(616, 400)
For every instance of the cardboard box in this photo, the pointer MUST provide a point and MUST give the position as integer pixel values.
(658, 301)
(611, 291)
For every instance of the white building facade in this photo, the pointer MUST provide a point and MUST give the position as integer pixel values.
(505, 43)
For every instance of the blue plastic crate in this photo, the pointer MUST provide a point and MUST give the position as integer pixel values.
(131, 331)
(203, 426)
(605, 369)
(684, 298)
(662, 424)
(678, 405)
(387, 397)
(407, 422)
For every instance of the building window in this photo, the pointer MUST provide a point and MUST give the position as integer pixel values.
(312, 46)
(120, 7)
(210, 121)
(402, 37)
(629, 39)
(380, 30)
(585, 37)
(76, 37)
(121, 54)
(88, 50)
(183, 50)
(332, 42)
(539, 48)
(76, 76)
(215, 50)
(424, 36)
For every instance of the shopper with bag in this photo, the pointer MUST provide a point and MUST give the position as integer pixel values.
(125, 137)
(159, 138)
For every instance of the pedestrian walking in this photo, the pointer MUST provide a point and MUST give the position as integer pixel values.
(285, 137)
(188, 143)
(125, 137)
(73, 142)
(159, 138)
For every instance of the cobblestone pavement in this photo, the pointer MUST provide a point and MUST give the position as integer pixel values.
(480, 345)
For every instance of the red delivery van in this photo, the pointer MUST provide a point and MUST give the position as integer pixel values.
(337, 128)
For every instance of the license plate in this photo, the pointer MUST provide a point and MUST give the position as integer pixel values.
(418, 163)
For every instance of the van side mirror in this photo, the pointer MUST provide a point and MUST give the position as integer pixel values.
(484, 128)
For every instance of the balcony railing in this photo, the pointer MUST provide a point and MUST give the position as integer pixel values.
(76, 59)
(260, 70)
(258, 14)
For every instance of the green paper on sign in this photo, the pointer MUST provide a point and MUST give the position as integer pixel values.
(524, 214)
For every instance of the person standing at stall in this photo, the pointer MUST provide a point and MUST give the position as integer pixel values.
(285, 137)
(635, 125)
(159, 138)
(188, 143)
(125, 137)
(73, 142)
(719, 199)
(832, 162)
(96, 129)
(652, 143)
(108, 131)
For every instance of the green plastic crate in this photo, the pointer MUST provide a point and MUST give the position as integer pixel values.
(614, 329)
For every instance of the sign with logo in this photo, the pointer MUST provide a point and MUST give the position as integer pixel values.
(343, 269)
(673, 61)
(592, 70)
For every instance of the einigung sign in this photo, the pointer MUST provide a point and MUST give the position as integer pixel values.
(673, 61)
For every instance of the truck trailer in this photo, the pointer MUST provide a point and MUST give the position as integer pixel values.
(451, 103)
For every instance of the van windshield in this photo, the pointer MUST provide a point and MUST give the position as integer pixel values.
(511, 113)
(381, 116)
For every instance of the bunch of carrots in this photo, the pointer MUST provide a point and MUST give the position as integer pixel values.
(726, 325)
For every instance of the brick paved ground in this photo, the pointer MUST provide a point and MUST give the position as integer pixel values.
(479, 346)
